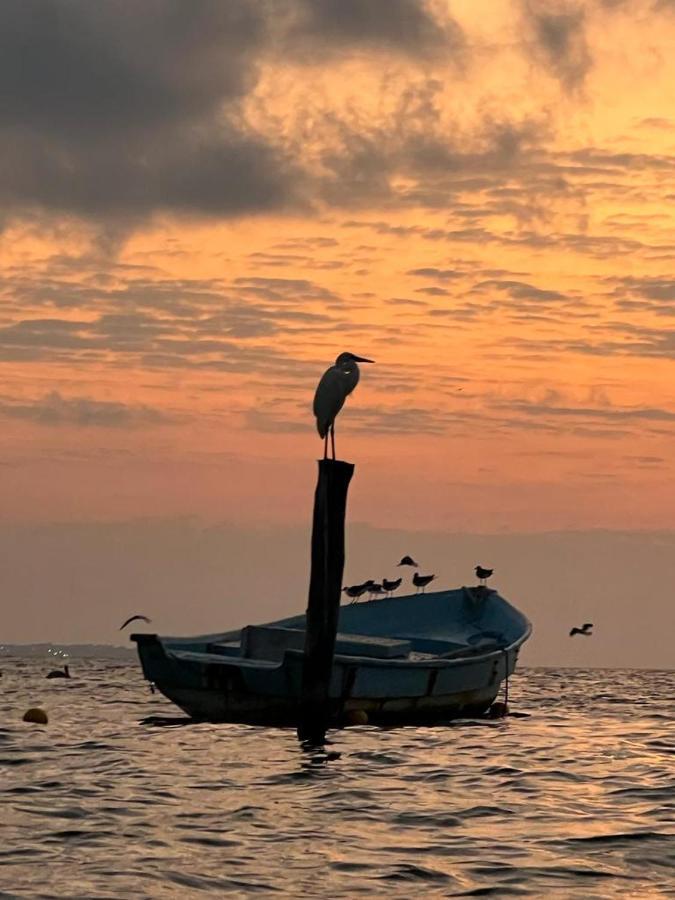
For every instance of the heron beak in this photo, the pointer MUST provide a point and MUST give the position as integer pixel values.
(362, 359)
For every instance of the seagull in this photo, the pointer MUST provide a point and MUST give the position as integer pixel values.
(585, 630)
(483, 574)
(408, 561)
(356, 590)
(391, 586)
(421, 581)
(133, 619)
(375, 588)
(58, 673)
(335, 386)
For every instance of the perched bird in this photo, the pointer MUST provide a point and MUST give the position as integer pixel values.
(421, 581)
(133, 619)
(375, 588)
(356, 590)
(585, 630)
(408, 561)
(335, 386)
(391, 586)
(483, 574)
(59, 673)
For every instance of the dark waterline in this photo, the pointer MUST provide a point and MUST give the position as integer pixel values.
(574, 799)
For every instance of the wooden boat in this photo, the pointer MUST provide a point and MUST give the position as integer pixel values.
(417, 658)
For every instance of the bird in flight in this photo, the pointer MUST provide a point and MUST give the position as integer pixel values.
(408, 561)
(421, 581)
(335, 386)
(585, 630)
(391, 586)
(483, 574)
(133, 619)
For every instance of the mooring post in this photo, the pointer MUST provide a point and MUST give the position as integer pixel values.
(325, 588)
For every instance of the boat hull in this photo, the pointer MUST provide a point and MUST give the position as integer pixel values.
(400, 661)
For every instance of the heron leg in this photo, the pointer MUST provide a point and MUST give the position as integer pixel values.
(332, 438)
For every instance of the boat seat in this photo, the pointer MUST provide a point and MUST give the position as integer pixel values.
(268, 642)
(193, 656)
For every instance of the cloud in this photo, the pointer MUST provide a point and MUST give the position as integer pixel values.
(558, 38)
(56, 410)
(411, 27)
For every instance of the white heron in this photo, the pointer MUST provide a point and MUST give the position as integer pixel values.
(335, 386)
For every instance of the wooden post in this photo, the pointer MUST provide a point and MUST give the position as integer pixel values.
(325, 589)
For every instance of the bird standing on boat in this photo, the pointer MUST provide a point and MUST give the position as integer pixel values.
(408, 561)
(356, 590)
(391, 586)
(421, 581)
(374, 589)
(335, 386)
(133, 619)
(585, 630)
(59, 673)
(483, 574)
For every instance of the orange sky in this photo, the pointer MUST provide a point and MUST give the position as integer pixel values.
(196, 222)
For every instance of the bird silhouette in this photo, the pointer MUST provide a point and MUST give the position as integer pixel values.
(375, 588)
(483, 574)
(335, 386)
(585, 630)
(408, 561)
(391, 586)
(421, 581)
(133, 619)
(356, 590)
(59, 673)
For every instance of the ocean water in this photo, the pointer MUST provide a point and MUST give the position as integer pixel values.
(572, 797)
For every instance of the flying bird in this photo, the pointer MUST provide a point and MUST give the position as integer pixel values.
(408, 561)
(391, 586)
(133, 619)
(421, 581)
(335, 386)
(585, 630)
(483, 574)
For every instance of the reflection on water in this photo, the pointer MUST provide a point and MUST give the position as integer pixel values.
(576, 798)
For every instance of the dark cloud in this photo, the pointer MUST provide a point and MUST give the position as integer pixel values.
(408, 26)
(54, 410)
(110, 113)
(432, 272)
(559, 39)
(608, 414)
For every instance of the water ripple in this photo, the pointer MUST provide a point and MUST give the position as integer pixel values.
(574, 797)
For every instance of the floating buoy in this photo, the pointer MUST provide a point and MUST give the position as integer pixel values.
(36, 715)
(356, 717)
(498, 710)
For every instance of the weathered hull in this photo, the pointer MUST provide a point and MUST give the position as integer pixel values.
(395, 691)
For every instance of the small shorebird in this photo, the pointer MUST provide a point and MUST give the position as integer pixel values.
(375, 588)
(356, 590)
(408, 561)
(421, 581)
(335, 386)
(133, 619)
(483, 574)
(391, 586)
(585, 630)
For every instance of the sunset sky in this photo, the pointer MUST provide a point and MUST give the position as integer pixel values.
(203, 203)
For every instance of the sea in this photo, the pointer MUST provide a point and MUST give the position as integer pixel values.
(572, 795)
